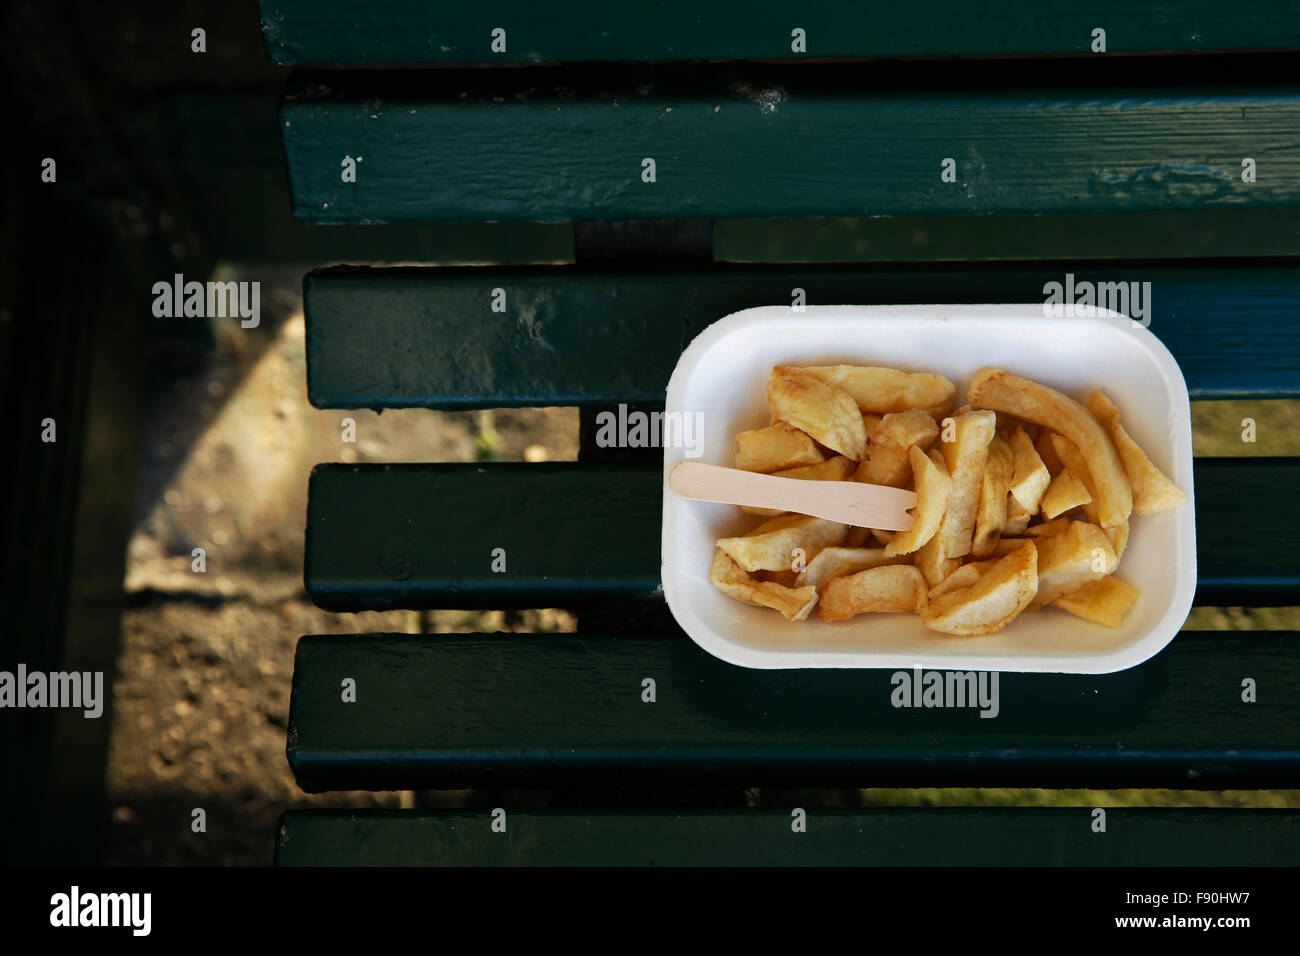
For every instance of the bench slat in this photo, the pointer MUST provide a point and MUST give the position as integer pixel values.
(507, 710)
(742, 150)
(407, 31)
(378, 338)
(936, 836)
(417, 536)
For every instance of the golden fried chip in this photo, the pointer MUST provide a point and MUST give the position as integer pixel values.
(771, 546)
(1103, 602)
(1074, 461)
(1030, 476)
(883, 390)
(932, 485)
(894, 587)
(1017, 519)
(787, 578)
(1102, 408)
(729, 578)
(1069, 560)
(823, 411)
(836, 562)
(964, 456)
(1048, 528)
(991, 513)
(932, 562)
(775, 448)
(995, 598)
(857, 537)
(963, 577)
(1006, 545)
(1066, 492)
(1003, 392)
(1153, 491)
(1047, 453)
(1118, 536)
(838, 468)
(887, 448)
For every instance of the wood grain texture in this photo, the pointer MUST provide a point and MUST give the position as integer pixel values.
(506, 710)
(524, 149)
(383, 536)
(1141, 236)
(584, 335)
(420, 536)
(934, 836)
(407, 31)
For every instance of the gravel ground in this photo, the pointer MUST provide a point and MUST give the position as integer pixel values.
(201, 698)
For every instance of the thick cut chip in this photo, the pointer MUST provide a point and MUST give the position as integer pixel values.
(999, 593)
(857, 537)
(932, 485)
(787, 578)
(729, 578)
(838, 468)
(889, 445)
(964, 456)
(771, 546)
(1030, 476)
(991, 514)
(1047, 452)
(1048, 528)
(1065, 493)
(933, 563)
(1006, 545)
(1003, 392)
(883, 390)
(1017, 518)
(869, 422)
(1103, 602)
(1153, 491)
(1102, 408)
(893, 587)
(1118, 536)
(963, 577)
(1075, 463)
(823, 411)
(1067, 561)
(775, 448)
(837, 562)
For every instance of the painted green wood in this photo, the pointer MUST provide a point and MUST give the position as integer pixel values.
(935, 836)
(420, 536)
(228, 183)
(1179, 234)
(1246, 551)
(382, 536)
(432, 148)
(530, 710)
(585, 335)
(407, 31)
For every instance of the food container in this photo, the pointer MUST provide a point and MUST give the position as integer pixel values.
(722, 376)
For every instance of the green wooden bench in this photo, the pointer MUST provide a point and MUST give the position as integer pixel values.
(1153, 145)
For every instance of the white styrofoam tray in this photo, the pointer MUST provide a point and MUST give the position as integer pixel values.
(723, 374)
